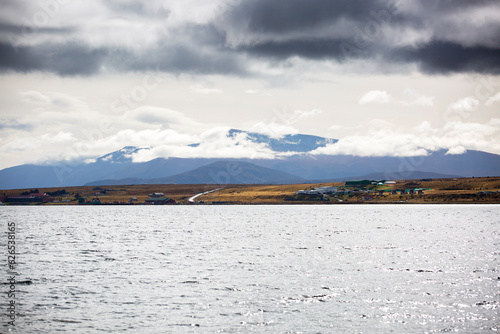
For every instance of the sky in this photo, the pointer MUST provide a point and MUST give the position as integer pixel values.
(80, 79)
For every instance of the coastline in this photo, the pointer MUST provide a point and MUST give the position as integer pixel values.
(485, 190)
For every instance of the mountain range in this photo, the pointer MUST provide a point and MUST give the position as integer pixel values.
(296, 167)
(219, 172)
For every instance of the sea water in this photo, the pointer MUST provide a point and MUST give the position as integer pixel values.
(261, 269)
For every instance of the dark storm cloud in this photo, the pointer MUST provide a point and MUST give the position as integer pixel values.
(440, 36)
(448, 57)
(276, 16)
(19, 30)
(201, 54)
(434, 57)
(138, 8)
(318, 48)
(180, 58)
(63, 59)
(274, 25)
(294, 15)
(438, 6)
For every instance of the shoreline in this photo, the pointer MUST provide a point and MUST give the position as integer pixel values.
(260, 203)
(484, 190)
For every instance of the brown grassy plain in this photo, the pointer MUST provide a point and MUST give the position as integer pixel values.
(462, 190)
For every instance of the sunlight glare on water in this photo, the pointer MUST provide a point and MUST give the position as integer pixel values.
(239, 269)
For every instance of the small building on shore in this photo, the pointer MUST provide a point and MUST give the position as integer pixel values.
(159, 201)
(318, 191)
(84, 201)
(31, 198)
(327, 190)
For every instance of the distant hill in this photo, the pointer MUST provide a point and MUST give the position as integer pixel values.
(231, 172)
(116, 182)
(323, 167)
(24, 176)
(220, 172)
(299, 166)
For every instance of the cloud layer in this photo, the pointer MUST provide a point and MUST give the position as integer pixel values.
(385, 139)
(232, 37)
(170, 133)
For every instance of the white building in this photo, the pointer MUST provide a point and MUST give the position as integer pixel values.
(318, 191)
(155, 195)
(327, 190)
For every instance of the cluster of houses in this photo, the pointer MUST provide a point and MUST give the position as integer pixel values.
(158, 199)
(359, 186)
(319, 191)
(154, 199)
(42, 198)
(27, 199)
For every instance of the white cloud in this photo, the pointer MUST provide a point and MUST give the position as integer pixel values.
(255, 92)
(273, 130)
(375, 96)
(108, 157)
(290, 117)
(376, 145)
(53, 100)
(35, 97)
(128, 137)
(204, 90)
(457, 150)
(36, 142)
(495, 98)
(282, 121)
(382, 139)
(65, 101)
(213, 144)
(300, 114)
(466, 104)
(122, 23)
(413, 98)
(165, 117)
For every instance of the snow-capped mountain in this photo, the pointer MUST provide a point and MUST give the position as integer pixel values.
(121, 156)
(118, 165)
(288, 143)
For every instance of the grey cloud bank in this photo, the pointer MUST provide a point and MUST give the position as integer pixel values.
(437, 36)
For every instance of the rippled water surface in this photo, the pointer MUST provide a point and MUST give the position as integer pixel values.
(270, 269)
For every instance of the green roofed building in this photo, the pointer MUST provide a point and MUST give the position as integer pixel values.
(359, 183)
